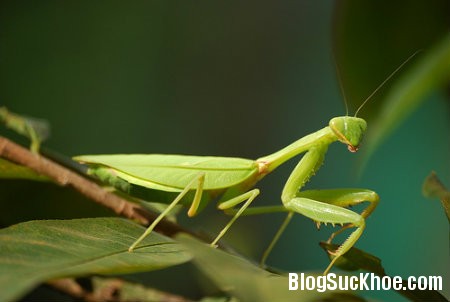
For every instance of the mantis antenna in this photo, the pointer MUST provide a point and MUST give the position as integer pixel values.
(341, 86)
(385, 81)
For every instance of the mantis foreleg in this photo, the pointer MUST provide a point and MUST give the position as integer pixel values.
(324, 207)
(335, 197)
(339, 197)
(344, 198)
(328, 213)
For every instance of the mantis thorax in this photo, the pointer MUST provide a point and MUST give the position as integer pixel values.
(349, 130)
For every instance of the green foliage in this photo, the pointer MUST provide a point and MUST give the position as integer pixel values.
(355, 259)
(247, 282)
(36, 130)
(36, 251)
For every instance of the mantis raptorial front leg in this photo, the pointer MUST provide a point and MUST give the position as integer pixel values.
(344, 198)
(324, 207)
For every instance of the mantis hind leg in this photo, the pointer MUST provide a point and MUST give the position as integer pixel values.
(194, 206)
(275, 239)
(248, 197)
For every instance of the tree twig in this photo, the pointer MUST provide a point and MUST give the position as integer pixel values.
(113, 290)
(65, 177)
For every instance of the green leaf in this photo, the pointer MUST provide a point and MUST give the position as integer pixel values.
(37, 130)
(11, 170)
(36, 251)
(355, 259)
(434, 188)
(247, 282)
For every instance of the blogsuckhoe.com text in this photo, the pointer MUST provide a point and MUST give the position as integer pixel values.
(363, 281)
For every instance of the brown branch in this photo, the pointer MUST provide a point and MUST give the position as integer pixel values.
(110, 289)
(65, 177)
(68, 286)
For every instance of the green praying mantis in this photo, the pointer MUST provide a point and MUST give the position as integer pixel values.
(196, 180)
(234, 178)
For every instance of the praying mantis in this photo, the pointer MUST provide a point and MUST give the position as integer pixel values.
(196, 180)
(234, 179)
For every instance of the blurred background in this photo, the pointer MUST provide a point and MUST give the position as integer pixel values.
(235, 79)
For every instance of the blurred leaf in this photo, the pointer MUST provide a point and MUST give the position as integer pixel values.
(36, 251)
(11, 170)
(247, 282)
(430, 72)
(37, 130)
(355, 259)
(433, 188)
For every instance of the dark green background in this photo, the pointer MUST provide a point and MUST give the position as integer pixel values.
(231, 79)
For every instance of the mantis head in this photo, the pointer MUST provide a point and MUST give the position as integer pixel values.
(349, 130)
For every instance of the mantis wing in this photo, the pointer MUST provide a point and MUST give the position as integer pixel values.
(176, 171)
